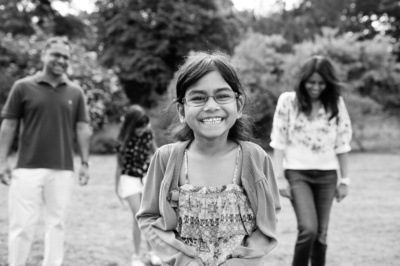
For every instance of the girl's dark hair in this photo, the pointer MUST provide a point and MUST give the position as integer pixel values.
(196, 66)
(135, 117)
(330, 96)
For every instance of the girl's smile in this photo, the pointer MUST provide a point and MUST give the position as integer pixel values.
(212, 120)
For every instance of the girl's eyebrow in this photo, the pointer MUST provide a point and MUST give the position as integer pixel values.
(203, 92)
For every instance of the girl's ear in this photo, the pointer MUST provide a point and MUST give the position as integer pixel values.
(181, 112)
(240, 105)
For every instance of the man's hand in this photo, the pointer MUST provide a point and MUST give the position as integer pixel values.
(84, 175)
(5, 174)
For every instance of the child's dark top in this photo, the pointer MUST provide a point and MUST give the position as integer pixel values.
(136, 155)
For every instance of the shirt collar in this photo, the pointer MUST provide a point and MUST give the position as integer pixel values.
(40, 77)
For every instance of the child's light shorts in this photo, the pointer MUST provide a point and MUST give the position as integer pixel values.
(129, 186)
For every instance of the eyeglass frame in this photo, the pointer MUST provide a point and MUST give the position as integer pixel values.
(183, 100)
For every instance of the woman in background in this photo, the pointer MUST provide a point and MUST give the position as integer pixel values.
(311, 139)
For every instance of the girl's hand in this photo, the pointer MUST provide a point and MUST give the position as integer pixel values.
(341, 192)
(284, 187)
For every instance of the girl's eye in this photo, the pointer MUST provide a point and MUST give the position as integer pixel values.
(197, 99)
(222, 96)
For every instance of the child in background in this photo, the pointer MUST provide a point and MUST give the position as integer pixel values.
(211, 198)
(135, 148)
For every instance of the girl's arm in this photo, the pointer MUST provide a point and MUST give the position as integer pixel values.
(156, 227)
(153, 147)
(118, 174)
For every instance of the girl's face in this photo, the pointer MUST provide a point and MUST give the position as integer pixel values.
(212, 120)
(315, 85)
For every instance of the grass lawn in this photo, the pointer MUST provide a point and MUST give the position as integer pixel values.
(364, 228)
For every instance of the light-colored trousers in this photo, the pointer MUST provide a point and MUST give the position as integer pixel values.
(30, 191)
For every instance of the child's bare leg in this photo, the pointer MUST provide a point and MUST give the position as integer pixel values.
(134, 204)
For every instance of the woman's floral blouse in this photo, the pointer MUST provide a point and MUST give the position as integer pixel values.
(310, 144)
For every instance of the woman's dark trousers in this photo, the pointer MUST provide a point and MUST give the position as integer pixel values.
(313, 192)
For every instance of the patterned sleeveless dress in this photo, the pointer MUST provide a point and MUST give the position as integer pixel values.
(215, 220)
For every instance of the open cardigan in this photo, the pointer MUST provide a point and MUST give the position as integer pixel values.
(157, 216)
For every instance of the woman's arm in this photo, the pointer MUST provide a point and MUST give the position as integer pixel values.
(342, 148)
(343, 189)
(343, 159)
(283, 184)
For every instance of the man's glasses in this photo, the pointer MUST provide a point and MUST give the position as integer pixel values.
(223, 97)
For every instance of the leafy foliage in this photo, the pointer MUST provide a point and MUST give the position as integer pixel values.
(261, 73)
(146, 40)
(366, 18)
(28, 17)
(25, 25)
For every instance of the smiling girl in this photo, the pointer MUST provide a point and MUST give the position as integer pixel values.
(211, 197)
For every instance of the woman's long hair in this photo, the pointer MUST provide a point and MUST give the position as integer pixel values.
(135, 117)
(330, 96)
(194, 68)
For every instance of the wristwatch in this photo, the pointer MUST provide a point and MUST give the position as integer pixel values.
(85, 163)
(345, 181)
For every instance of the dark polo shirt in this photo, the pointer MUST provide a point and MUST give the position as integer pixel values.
(49, 116)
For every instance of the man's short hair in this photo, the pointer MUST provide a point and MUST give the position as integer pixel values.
(57, 39)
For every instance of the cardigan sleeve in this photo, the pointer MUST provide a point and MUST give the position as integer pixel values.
(344, 131)
(264, 238)
(279, 133)
(150, 220)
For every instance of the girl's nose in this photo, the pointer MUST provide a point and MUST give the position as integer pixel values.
(211, 104)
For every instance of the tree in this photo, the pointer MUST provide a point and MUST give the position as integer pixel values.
(146, 40)
(26, 17)
(366, 18)
(260, 65)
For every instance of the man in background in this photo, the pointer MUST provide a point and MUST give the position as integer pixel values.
(50, 110)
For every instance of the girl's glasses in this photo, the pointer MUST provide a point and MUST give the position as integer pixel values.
(200, 100)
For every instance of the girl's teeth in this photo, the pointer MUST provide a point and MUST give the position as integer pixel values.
(212, 120)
